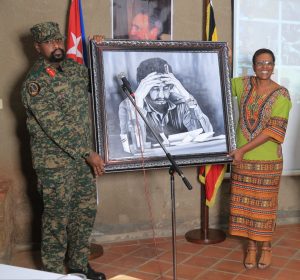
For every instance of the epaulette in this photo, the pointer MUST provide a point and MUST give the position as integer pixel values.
(71, 62)
(36, 70)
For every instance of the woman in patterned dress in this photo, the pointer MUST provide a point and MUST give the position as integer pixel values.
(264, 108)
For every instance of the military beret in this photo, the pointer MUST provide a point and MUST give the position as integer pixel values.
(46, 31)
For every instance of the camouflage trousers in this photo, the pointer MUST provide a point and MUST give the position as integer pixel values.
(69, 198)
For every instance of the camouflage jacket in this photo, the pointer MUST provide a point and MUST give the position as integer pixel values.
(56, 104)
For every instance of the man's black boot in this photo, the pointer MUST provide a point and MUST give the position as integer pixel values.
(94, 275)
(90, 273)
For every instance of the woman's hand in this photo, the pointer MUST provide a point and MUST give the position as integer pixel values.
(237, 156)
(229, 55)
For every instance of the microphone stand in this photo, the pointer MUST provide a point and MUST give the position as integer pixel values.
(172, 169)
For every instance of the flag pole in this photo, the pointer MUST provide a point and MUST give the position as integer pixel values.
(204, 36)
(204, 235)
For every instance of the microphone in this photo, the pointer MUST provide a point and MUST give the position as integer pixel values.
(126, 83)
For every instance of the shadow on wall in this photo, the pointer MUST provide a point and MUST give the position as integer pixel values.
(25, 154)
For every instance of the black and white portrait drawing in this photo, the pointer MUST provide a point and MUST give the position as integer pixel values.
(180, 95)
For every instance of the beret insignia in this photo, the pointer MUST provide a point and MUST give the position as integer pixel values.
(33, 88)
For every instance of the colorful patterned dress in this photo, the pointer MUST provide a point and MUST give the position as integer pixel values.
(255, 182)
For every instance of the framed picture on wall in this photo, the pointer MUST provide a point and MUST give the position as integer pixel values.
(182, 89)
(142, 19)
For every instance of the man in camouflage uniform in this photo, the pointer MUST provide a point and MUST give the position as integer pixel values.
(55, 95)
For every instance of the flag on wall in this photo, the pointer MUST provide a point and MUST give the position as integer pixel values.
(211, 175)
(211, 30)
(76, 44)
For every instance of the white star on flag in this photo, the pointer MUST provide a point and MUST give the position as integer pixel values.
(74, 50)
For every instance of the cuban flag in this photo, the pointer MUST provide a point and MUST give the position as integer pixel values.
(76, 44)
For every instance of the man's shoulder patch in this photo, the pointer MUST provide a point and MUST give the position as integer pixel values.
(33, 88)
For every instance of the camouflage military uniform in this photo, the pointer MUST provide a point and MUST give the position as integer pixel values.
(56, 103)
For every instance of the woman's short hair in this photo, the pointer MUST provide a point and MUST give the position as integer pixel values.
(261, 51)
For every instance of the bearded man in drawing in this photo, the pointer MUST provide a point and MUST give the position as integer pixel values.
(169, 108)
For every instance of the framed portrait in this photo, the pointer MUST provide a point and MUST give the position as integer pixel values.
(181, 99)
(142, 19)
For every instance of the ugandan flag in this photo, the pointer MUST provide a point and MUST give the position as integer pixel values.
(211, 175)
(211, 30)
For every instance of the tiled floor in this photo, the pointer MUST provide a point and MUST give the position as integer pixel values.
(152, 259)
